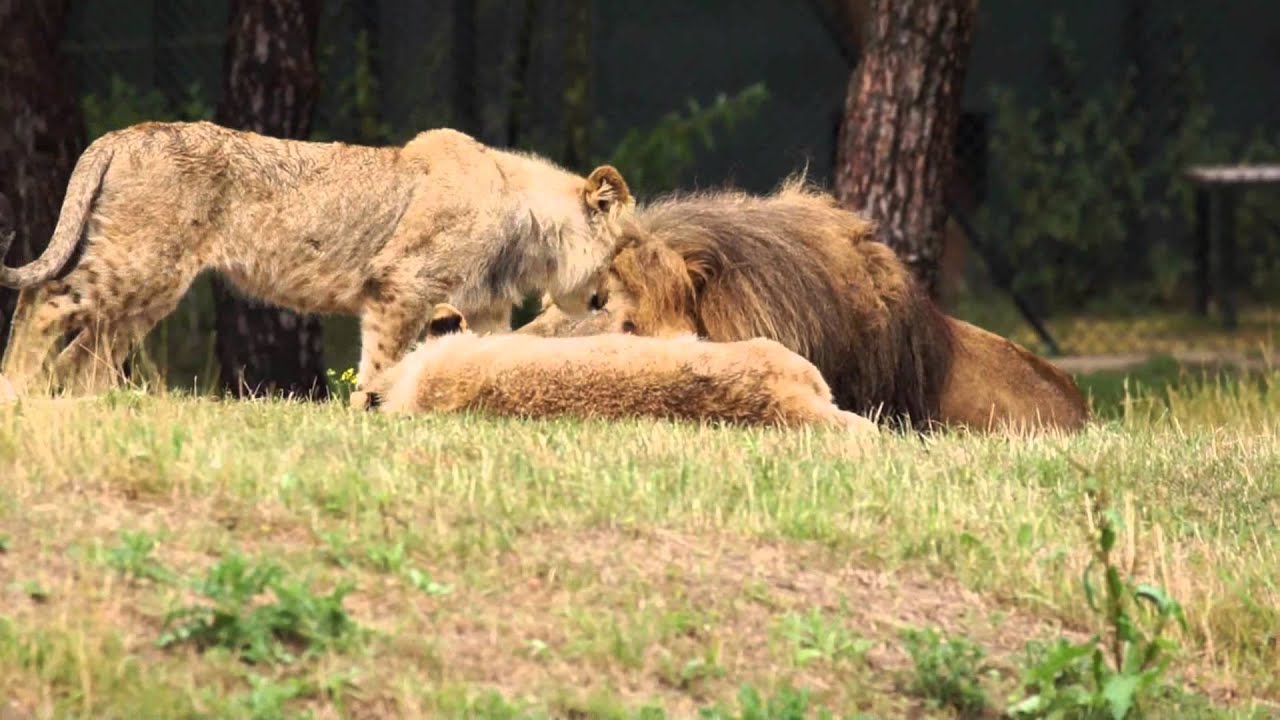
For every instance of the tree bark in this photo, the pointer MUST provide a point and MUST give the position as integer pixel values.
(895, 151)
(41, 129)
(270, 87)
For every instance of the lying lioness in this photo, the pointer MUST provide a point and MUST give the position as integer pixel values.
(613, 376)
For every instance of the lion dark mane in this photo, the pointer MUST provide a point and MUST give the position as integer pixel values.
(796, 267)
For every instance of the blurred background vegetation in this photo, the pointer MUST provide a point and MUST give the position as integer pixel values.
(1081, 118)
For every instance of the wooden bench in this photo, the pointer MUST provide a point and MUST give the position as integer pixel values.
(1217, 191)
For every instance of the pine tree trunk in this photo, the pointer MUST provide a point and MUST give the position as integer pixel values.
(895, 151)
(270, 87)
(41, 129)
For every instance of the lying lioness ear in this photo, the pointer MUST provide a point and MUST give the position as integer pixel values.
(605, 189)
(445, 319)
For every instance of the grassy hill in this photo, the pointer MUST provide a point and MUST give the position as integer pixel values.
(169, 556)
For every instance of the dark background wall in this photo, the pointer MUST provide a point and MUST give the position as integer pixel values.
(650, 57)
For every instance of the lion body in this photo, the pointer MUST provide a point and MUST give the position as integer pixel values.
(379, 232)
(610, 376)
(795, 267)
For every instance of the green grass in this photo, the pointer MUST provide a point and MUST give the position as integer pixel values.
(1121, 327)
(1151, 382)
(340, 564)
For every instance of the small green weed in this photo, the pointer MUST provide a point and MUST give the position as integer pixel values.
(337, 549)
(423, 581)
(787, 703)
(32, 589)
(814, 636)
(946, 670)
(267, 699)
(259, 632)
(692, 672)
(1114, 673)
(386, 557)
(132, 557)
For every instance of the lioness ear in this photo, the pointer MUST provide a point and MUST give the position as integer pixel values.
(445, 319)
(605, 189)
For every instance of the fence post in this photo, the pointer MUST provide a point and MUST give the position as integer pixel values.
(1200, 253)
(1224, 223)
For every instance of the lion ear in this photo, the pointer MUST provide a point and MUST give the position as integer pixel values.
(606, 189)
(445, 319)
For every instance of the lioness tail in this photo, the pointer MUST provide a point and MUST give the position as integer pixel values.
(86, 178)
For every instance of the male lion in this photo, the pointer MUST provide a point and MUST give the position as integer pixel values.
(795, 267)
(383, 233)
(613, 376)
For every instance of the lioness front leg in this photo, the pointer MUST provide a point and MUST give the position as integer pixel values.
(386, 332)
(495, 319)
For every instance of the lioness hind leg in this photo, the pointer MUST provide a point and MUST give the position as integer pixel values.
(121, 302)
(93, 361)
(43, 316)
(824, 412)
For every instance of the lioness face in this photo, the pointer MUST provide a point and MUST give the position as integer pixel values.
(607, 204)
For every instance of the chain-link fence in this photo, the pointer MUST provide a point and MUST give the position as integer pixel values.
(1076, 228)
(1081, 226)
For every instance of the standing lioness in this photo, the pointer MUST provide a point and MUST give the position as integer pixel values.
(384, 233)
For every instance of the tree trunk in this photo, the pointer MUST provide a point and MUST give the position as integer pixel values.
(270, 87)
(41, 129)
(895, 152)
